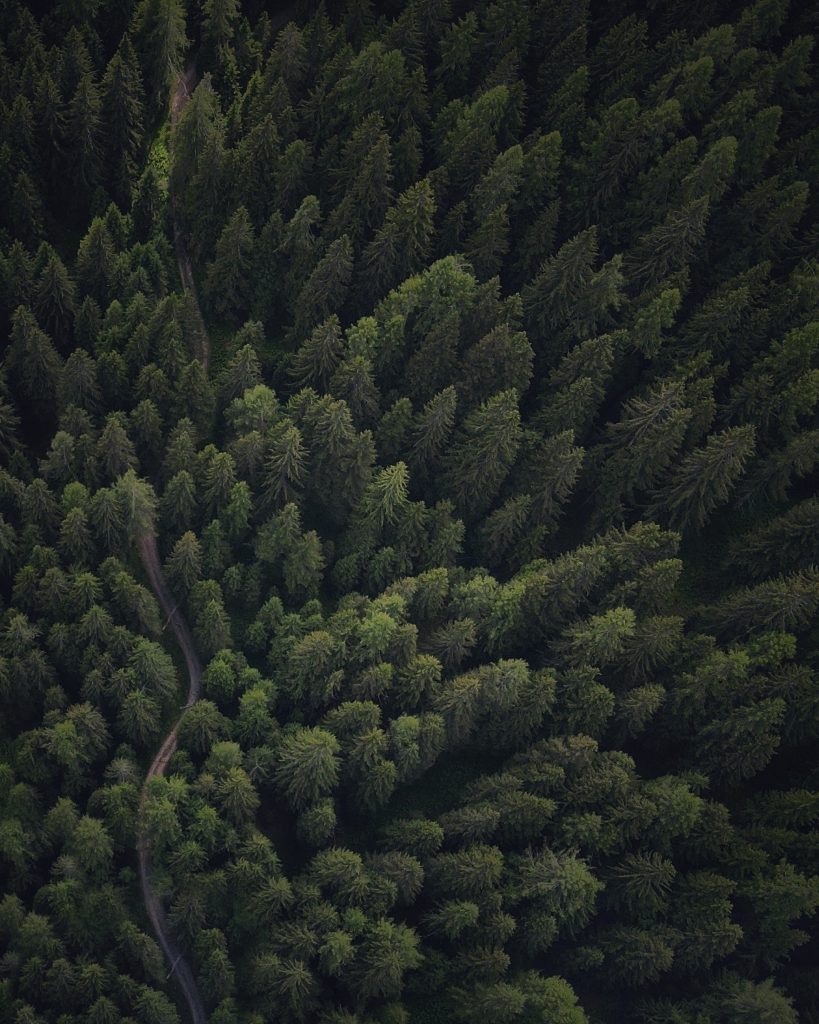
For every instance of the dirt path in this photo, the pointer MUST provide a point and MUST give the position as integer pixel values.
(184, 88)
(179, 966)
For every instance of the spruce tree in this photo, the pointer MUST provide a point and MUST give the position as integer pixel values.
(706, 478)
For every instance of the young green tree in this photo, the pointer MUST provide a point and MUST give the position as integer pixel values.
(308, 766)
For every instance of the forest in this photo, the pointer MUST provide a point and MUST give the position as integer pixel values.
(409, 512)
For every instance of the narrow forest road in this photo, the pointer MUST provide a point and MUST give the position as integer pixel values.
(184, 88)
(149, 555)
(177, 963)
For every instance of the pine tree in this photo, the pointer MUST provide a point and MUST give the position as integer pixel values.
(501, 359)
(184, 567)
(55, 298)
(115, 450)
(108, 519)
(488, 245)
(788, 541)
(364, 181)
(137, 501)
(32, 359)
(242, 373)
(84, 134)
(195, 392)
(642, 444)
(319, 356)
(201, 726)
(139, 718)
(641, 882)
(26, 212)
(307, 766)
(636, 956)
(198, 139)
(776, 472)
(227, 276)
(552, 468)
(388, 950)
(284, 466)
(258, 159)
(483, 451)
(95, 257)
(237, 796)
(432, 428)
(326, 288)
(218, 478)
(49, 116)
(784, 602)
(123, 117)
(669, 246)
(402, 243)
(218, 17)
(705, 478)
(179, 501)
(353, 382)
(161, 44)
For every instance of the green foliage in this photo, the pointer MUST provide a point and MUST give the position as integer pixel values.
(357, 372)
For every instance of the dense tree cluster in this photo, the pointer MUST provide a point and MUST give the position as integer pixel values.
(495, 520)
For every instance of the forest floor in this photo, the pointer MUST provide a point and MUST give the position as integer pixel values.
(153, 904)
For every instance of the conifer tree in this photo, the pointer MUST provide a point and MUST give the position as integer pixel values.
(705, 478)
(307, 766)
(32, 358)
(162, 42)
(482, 453)
(84, 134)
(401, 244)
(669, 246)
(55, 298)
(121, 112)
(227, 277)
(318, 357)
(326, 288)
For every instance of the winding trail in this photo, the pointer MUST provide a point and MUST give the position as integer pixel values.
(184, 88)
(149, 555)
(179, 966)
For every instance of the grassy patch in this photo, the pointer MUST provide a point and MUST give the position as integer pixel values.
(159, 157)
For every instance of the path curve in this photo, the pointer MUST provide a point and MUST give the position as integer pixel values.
(184, 88)
(179, 966)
